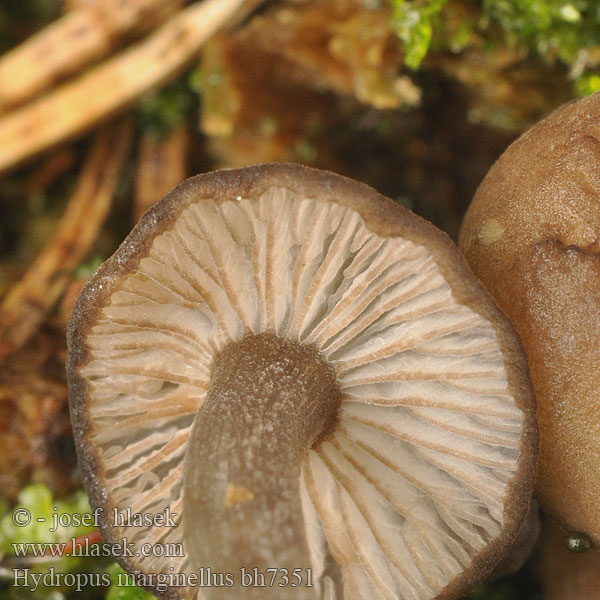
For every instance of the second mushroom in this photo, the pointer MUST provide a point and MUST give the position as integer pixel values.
(307, 379)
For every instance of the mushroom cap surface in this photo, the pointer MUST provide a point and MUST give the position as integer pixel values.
(532, 235)
(407, 462)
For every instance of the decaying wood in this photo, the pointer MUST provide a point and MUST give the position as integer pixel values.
(71, 42)
(35, 431)
(50, 170)
(118, 82)
(161, 166)
(27, 304)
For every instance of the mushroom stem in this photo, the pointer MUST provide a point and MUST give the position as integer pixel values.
(242, 500)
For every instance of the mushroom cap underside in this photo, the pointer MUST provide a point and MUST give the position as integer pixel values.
(422, 478)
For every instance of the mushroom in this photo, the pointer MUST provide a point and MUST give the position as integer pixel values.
(532, 234)
(302, 375)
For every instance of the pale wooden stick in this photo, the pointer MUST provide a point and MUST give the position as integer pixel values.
(73, 41)
(115, 83)
(26, 305)
(161, 166)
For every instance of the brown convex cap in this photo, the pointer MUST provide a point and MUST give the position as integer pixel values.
(532, 234)
(309, 377)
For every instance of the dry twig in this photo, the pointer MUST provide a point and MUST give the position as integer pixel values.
(161, 166)
(102, 90)
(26, 305)
(80, 36)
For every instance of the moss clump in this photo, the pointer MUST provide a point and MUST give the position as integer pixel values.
(161, 112)
(413, 22)
(557, 31)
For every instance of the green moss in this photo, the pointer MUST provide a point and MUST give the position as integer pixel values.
(119, 590)
(84, 270)
(36, 519)
(462, 36)
(587, 84)
(31, 520)
(554, 29)
(305, 151)
(269, 126)
(196, 80)
(414, 21)
(558, 31)
(163, 111)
